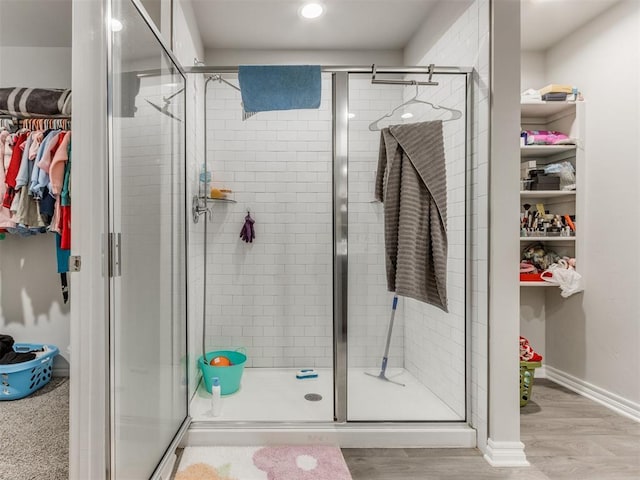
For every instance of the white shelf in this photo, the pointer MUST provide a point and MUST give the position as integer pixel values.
(529, 151)
(546, 193)
(536, 284)
(544, 109)
(548, 239)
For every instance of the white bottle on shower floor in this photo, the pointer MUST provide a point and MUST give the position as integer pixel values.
(216, 397)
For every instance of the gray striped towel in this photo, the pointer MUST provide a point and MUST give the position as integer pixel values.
(30, 102)
(411, 182)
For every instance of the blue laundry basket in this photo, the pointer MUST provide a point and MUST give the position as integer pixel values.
(20, 380)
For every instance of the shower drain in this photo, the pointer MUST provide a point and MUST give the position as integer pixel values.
(313, 397)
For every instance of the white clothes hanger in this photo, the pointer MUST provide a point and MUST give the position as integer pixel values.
(455, 114)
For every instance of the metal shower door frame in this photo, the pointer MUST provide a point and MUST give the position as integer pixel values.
(341, 224)
(112, 250)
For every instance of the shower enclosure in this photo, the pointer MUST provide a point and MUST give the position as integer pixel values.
(310, 291)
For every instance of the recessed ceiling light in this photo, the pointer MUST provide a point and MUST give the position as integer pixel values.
(406, 115)
(311, 10)
(116, 25)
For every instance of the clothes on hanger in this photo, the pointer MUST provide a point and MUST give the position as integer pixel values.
(35, 170)
(29, 194)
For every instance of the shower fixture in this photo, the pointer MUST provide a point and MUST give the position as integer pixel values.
(165, 108)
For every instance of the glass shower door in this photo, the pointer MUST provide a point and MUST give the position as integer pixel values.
(147, 245)
(426, 359)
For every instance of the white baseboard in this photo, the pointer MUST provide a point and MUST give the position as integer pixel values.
(541, 372)
(60, 372)
(506, 454)
(610, 400)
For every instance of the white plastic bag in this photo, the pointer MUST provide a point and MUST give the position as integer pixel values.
(567, 279)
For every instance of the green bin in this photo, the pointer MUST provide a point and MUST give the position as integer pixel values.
(230, 376)
(527, 372)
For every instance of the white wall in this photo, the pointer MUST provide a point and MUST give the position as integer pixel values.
(532, 320)
(532, 70)
(306, 57)
(594, 336)
(31, 304)
(43, 67)
(438, 22)
(187, 43)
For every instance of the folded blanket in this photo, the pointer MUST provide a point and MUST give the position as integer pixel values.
(28, 102)
(547, 137)
(279, 87)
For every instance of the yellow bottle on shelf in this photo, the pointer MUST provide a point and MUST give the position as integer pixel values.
(219, 192)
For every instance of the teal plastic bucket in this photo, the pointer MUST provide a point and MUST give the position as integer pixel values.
(230, 376)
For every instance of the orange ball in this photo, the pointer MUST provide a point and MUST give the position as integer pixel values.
(220, 362)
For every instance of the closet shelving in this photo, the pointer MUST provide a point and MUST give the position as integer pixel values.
(545, 193)
(547, 239)
(531, 151)
(565, 117)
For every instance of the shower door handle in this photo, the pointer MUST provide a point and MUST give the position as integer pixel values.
(115, 254)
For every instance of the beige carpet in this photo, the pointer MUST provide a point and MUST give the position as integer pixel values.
(35, 434)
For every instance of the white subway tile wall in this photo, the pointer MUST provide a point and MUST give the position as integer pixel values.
(273, 296)
(369, 302)
(466, 43)
(434, 339)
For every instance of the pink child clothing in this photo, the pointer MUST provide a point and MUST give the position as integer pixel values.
(36, 140)
(11, 172)
(5, 215)
(58, 162)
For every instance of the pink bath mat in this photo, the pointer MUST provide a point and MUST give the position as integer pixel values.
(263, 463)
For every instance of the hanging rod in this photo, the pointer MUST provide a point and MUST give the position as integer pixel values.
(219, 78)
(430, 71)
(19, 117)
(436, 70)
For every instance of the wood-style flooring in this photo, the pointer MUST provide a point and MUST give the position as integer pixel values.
(566, 437)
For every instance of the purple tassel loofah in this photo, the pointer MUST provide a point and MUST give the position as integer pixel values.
(247, 233)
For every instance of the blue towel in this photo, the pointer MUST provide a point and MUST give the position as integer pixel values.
(279, 87)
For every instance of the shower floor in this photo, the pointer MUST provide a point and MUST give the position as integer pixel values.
(370, 398)
(271, 395)
(275, 395)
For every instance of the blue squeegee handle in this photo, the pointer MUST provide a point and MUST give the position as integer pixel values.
(389, 332)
